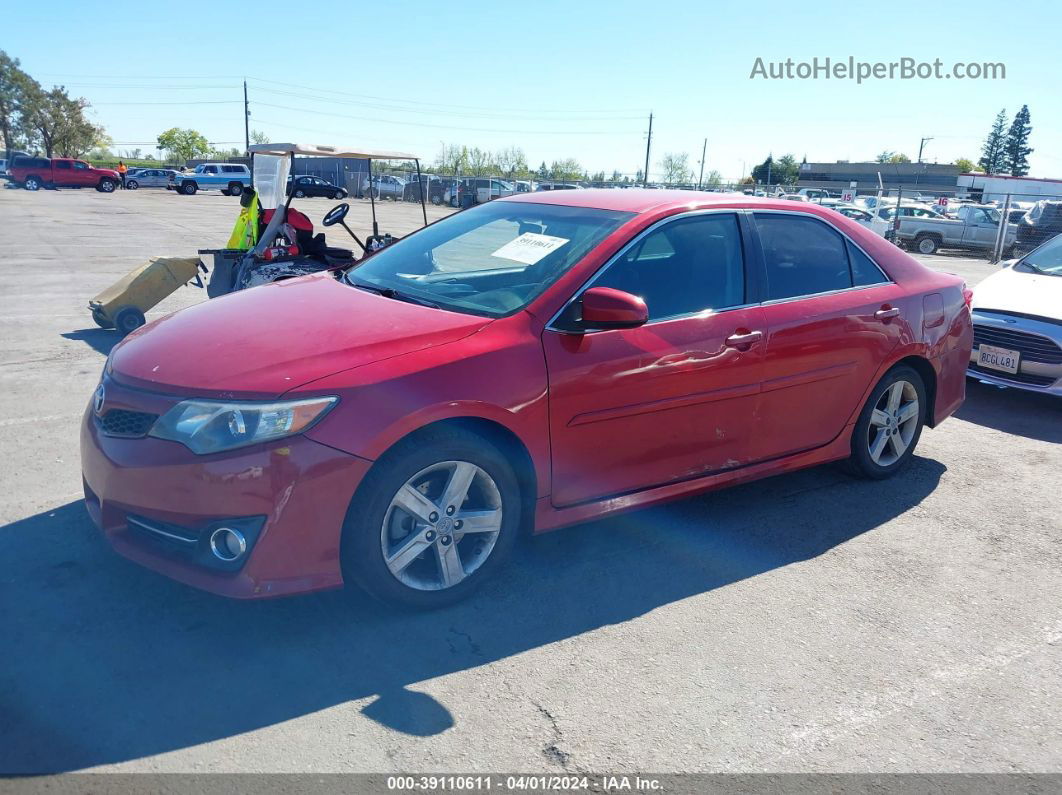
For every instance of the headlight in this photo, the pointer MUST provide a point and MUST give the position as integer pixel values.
(210, 426)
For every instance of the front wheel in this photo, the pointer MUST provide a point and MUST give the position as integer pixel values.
(436, 516)
(189, 188)
(106, 186)
(300, 194)
(890, 425)
(338, 195)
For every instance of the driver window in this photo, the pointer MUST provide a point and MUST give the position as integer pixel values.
(803, 256)
(686, 266)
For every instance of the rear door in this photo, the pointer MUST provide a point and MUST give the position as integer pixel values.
(671, 400)
(63, 173)
(832, 316)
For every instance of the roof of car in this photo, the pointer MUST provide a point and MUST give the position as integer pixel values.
(640, 200)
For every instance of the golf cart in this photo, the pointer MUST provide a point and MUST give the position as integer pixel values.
(271, 241)
(286, 245)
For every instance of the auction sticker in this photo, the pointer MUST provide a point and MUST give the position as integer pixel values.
(529, 248)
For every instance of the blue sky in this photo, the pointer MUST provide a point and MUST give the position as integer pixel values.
(560, 79)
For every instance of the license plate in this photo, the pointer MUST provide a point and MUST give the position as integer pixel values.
(998, 358)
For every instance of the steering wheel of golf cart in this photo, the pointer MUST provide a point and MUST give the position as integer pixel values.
(336, 214)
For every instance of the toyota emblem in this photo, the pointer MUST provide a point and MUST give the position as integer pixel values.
(97, 400)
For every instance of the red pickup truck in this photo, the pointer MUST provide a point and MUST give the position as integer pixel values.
(34, 173)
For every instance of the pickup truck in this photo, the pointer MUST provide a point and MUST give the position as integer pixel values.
(229, 178)
(34, 173)
(975, 228)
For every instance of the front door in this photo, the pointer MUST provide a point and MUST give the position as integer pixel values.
(671, 400)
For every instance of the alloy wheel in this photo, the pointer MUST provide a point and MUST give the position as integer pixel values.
(441, 526)
(893, 423)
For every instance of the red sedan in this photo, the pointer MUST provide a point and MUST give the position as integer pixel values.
(530, 363)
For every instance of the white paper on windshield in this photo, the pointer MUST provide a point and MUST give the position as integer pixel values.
(529, 248)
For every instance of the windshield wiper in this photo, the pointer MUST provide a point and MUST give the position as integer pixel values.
(1037, 269)
(390, 292)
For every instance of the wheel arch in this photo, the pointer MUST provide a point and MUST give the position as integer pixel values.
(497, 434)
(925, 369)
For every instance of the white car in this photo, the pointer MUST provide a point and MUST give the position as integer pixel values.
(1017, 320)
(872, 221)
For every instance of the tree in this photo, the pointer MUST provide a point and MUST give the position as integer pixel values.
(480, 162)
(713, 179)
(57, 122)
(512, 162)
(676, 168)
(992, 151)
(14, 84)
(787, 170)
(899, 157)
(638, 176)
(259, 137)
(451, 159)
(568, 168)
(184, 144)
(543, 171)
(966, 165)
(764, 172)
(1016, 149)
(884, 157)
(748, 181)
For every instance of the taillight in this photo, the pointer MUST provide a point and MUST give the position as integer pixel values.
(967, 295)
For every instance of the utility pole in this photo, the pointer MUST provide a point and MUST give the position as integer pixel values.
(246, 122)
(648, 143)
(704, 149)
(921, 144)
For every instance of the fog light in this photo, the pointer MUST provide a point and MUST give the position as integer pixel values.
(227, 544)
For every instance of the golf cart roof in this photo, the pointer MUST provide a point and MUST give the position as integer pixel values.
(320, 150)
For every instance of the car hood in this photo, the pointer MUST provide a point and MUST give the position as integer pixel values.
(267, 340)
(1015, 291)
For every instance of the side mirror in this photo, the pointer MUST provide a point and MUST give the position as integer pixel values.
(606, 308)
(1007, 263)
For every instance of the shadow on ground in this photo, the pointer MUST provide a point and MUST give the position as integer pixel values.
(106, 661)
(99, 339)
(1029, 414)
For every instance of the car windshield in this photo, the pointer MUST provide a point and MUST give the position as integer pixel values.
(1047, 259)
(491, 260)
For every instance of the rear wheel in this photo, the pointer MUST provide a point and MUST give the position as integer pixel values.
(128, 319)
(235, 189)
(435, 517)
(890, 425)
(927, 245)
(300, 194)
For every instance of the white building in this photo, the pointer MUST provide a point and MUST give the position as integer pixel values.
(985, 188)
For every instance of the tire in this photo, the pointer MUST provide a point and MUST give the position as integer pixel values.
(132, 184)
(106, 186)
(436, 199)
(881, 429)
(235, 189)
(101, 319)
(300, 194)
(373, 193)
(453, 201)
(33, 183)
(338, 195)
(926, 245)
(375, 525)
(128, 319)
(189, 188)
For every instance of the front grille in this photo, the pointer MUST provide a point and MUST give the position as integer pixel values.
(131, 424)
(1033, 347)
(1021, 378)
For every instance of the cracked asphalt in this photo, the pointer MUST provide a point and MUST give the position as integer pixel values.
(809, 622)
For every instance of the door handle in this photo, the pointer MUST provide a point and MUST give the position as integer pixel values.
(885, 314)
(742, 340)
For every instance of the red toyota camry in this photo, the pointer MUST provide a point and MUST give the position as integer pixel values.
(533, 362)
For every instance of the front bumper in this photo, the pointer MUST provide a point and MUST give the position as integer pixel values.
(1038, 342)
(156, 502)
